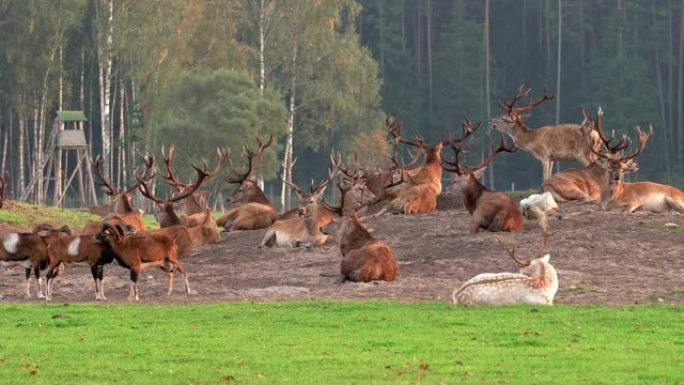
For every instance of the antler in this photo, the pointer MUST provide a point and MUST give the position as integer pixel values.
(106, 184)
(170, 178)
(202, 175)
(502, 147)
(523, 262)
(598, 126)
(468, 130)
(253, 159)
(149, 162)
(393, 127)
(514, 112)
(643, 139)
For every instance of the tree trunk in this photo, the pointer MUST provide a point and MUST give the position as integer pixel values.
(21, 181)
(429, 53)
(680, 139)
(105, 73)
(122, 132)
(558, 68)
(485, 36)
(285, 193)
(661, 96)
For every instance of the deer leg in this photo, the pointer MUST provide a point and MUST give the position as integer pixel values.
(52, 273)
(93, 271)
(28, 282)
(675, 204)
(133, 292)
(36, 272)
(100, 277)
(169, 273)
(269, 239)
(181, 270)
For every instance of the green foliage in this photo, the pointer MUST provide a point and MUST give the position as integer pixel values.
(28, 215)
(222, 108)
(340, 343)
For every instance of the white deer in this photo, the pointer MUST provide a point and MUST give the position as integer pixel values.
(537, 283)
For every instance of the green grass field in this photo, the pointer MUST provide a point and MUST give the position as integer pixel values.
(339, 343)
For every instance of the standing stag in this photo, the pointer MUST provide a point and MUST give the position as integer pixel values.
(251, 209)
(536, 284)
(563, 142)
(648, 196)
(489, 210)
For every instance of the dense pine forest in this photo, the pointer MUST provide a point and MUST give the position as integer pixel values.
(323, 75)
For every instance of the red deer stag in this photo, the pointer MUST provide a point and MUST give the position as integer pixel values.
(122, 206)
(564, 142)
(585, 184)
(489, 210)
(251, 209)
(648, 196)
(364, 258)
(303, 230)
(536, 284)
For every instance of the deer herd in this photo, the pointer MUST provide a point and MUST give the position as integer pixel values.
(412, 188)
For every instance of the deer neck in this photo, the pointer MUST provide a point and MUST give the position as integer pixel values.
(259, 197)
(123, 204)
(311, 221)
(472, 192)
(522, 135)
(353, 235)
(168, 216)
(192, 206)
(545, 276)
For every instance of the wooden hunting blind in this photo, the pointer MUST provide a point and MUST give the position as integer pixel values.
(71, 138)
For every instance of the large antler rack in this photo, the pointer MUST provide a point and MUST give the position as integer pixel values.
(202, 175)
(172, 179)
(318, 187)
(468, 130)
(253, 159)
(597, 125)
(515, 112)
(107, 185)
(147, 176)
(393, 127)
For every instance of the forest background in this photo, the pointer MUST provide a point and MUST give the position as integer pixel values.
(323, 75)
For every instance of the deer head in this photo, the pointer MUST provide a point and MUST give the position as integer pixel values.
(515, 116)
(533, 267)
(247, 189)
(430, 152)
(122, 197)
(308, 201)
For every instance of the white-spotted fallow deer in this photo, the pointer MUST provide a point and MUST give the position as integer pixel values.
(563, 142)
(489, 210)
(304, 229)
(364, 258)
(537, 284)
(251, 209)
(648, 196)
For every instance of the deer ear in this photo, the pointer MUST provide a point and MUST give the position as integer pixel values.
(320, 193)
(545, 258)
(478, 173)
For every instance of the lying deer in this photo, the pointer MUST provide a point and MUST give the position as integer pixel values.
(536, 284)
(564, 142)
(303, 230)
(489, 210)
(585, 184)
(649, 196)
(364, 258)
(251, 209)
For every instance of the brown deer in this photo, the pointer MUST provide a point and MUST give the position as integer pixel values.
(536, 284)
(489, 210)
(585, 184)
(364, 258)
(122, 200)
(564, 142)
(194, 204)
(305, 229)
(648, 196)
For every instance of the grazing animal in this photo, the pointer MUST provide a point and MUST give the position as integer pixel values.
(30, 250)
(489, 210)
(251, 209)
(536, 284)
(364, 258)
(564, 142)
(137, 252)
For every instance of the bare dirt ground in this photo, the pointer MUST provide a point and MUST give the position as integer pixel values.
(609, 258)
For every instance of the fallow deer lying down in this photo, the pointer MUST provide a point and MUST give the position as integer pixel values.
(489, 210)
(303, 230)
(648, 196)
(251, 209)
(364, 258)
(585, 184)
(564, 142)
(536, 284)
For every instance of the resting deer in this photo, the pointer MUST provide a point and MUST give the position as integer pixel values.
(564, 142)
(364, 258)
(646, 196)
(421, 186)
(585, 184)
(123, 206)
(251, 209)
(303, 230)
(536, 284)
(194, 203)
(489, 210)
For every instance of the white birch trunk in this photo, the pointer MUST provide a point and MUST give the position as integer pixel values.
(285, 193)
(22, 139)
(105, 58)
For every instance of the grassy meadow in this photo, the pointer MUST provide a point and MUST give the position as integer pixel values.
(339, 343)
